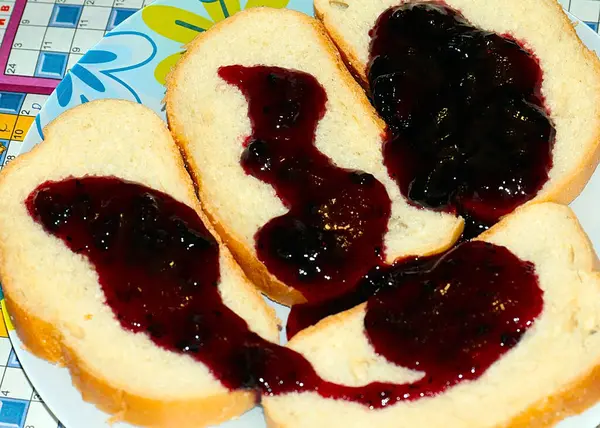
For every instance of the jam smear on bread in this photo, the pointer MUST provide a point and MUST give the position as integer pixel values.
(158, 267)
(333, 233)
(381, 276)
(450, 318)
(468, 132)
(157, 264)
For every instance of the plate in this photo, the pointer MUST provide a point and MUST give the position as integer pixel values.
(131, 63)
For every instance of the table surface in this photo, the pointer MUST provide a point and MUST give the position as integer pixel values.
(40, 41)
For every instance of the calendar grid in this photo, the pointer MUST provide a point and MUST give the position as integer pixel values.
(44, 38)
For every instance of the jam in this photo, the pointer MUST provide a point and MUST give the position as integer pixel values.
(450, 318)
(306, 314)
(333, 233)
(158, 267)
(156, 262)
(456, 319)
(467, 128)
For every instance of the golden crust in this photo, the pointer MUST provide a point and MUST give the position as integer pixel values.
(570, 187)
(579, 396)
(576, 398)
(44, 340)
(39, 337)
(254, 268)
(348, 53)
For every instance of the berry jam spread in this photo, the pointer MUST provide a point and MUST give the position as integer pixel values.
(468, 132)
(306, 314)
(157, 264)
(333, 232)
(159, 269)
(450, 318)
(456, 319)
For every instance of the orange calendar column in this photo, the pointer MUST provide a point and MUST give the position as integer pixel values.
(22, 125)
(7, 125)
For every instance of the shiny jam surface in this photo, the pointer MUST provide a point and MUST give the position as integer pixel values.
(449, 318)
(456, 319)
(380, 277)
(333, 233)
(158, 266)
(467, 133)
(467, 129)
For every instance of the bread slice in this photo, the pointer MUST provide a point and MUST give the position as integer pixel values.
(571, 72)
(209, 119)
(53, 294)
(553, 372)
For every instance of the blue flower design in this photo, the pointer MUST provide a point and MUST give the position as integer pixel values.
(102, 73)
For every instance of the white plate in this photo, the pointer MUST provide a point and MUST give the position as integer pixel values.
(129, 63)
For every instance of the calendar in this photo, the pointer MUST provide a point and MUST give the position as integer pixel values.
(17, 113)
(42, 39)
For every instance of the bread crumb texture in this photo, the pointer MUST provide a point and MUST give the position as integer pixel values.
(209, 118)
(51, 289)
(571, 72)
(551, 363)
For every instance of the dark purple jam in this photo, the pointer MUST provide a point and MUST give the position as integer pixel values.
(333, 232)
(306, 314)
(159, 269)
(450, 318)
(456, 319)
(157, 264)
(468, 131)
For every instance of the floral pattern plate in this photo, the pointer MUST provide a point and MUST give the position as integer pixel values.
(131, 63)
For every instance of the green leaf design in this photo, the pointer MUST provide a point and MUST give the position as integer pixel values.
(221, 9)
(164, 67)
(174, 23)
(183, 26)
(270, 3)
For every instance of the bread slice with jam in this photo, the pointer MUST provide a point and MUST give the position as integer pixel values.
(95, 225)
(209, 118)
(488, 341)
(382, 43)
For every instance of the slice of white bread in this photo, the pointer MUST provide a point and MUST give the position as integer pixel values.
(571, 72)
(53, 294)
(209, 119)
(554, 370)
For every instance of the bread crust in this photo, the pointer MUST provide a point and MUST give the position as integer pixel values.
(349, 54)
(44, 340)
(246, 257)
(572, 400)
(563, 191)
(252, 267)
